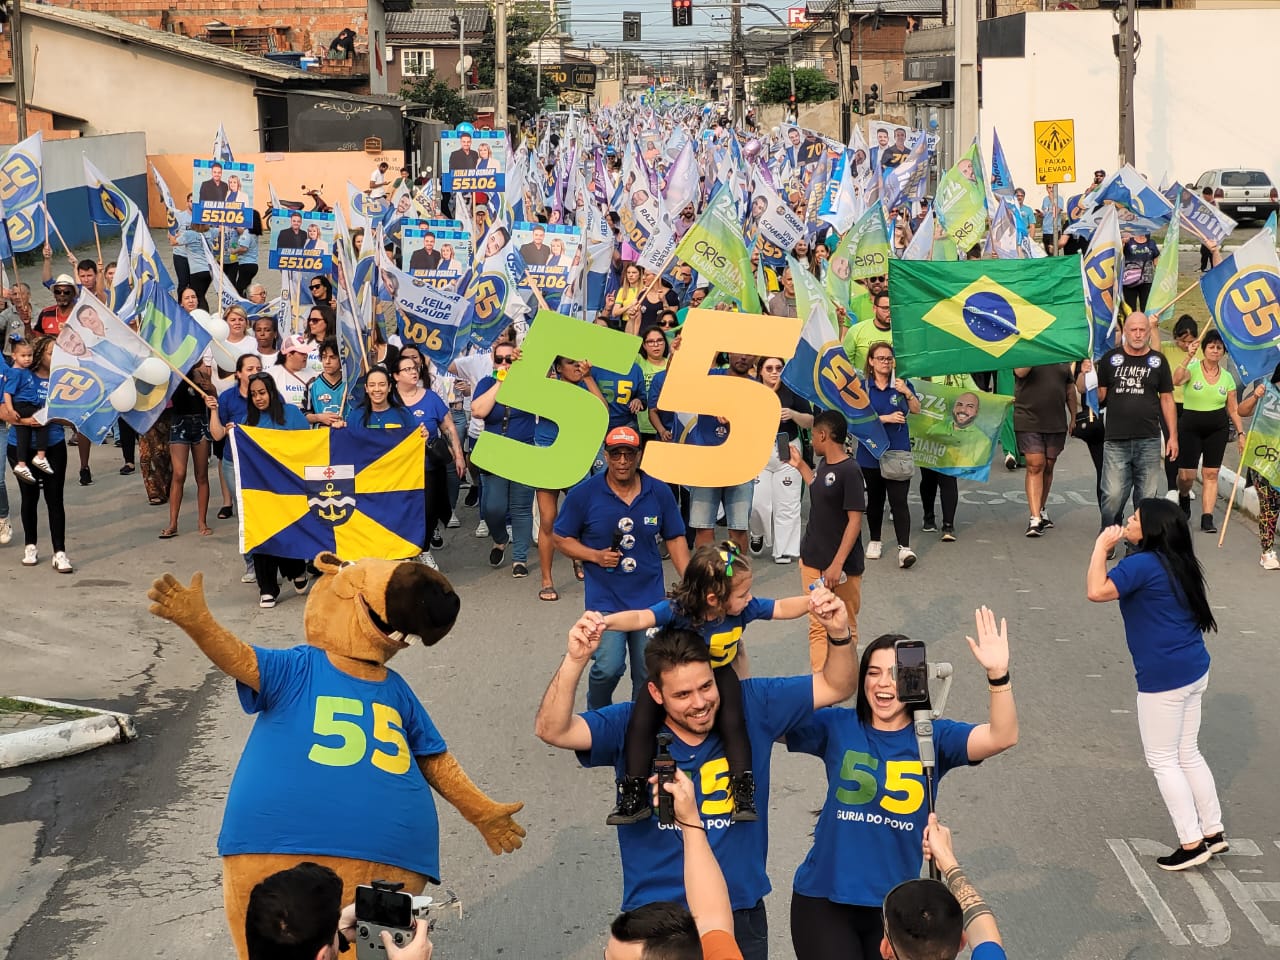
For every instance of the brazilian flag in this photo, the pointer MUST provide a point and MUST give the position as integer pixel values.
(357, 493)
(969, 316)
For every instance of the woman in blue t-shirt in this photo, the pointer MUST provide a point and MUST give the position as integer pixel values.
(892, 398)
(268, 410)
(869, 833)
(501, 498)
(1166, 610)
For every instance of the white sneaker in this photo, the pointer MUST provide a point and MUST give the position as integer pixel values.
(249, 577)
(266, 601)
(482, 530)
(873, 550)
(427, 559)
(29, 556)
(40, 463)
(62, 563)
(906, 557)
(782, 559)
(6, 531)
(454, 523)
(23, 473)
(1269, 560)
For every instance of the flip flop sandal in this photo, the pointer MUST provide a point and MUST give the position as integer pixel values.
(548, 593)
(168, 534)
(578, 571)
(225, 513)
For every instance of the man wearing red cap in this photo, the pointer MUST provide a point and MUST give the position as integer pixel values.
(612, 522)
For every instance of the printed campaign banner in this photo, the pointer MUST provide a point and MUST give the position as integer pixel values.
(549, 252)
(22, 204)
(955, 431)
(1201, 219)
(222, 192)
(301, 240)
(473, 161)
(437, 254)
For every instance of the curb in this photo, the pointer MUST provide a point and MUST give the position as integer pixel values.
(64, 739)
(1246, 497)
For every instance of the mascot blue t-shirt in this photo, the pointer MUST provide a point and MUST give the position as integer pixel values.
(329, 767)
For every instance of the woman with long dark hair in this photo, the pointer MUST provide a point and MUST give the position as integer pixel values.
(322, 325)
(1204, 425)
(876, 809)
(892, 398)
(1165, 608)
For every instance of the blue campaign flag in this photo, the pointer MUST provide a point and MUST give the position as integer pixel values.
(1102, 274)
(1002, 184)
(22, 193)
(109, 206)
(6, 248)
(1129, 189)
(173, 335)
(1243, 294)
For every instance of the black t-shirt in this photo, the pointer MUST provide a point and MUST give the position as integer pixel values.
(651, 313)
(188, 403)
(837, 488)
(1133, 386)
(790, 401)
(1040, 399)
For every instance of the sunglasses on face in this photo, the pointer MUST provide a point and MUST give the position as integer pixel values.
(622, 453)
(505, 361)
(772, 368)
(317, 286)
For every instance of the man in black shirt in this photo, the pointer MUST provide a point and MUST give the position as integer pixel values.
(831, 549)
(1135, 385)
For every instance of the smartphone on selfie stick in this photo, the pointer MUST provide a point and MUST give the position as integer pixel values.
(912, 672)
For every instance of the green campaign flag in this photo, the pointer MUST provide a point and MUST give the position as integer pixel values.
(1262, 445)
(715, 248)
(1164, 285)
(975, 315)
(961, 203)
(955, 431)
(863, 251)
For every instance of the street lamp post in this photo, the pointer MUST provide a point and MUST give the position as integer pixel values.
(537, 84)
(791, 59)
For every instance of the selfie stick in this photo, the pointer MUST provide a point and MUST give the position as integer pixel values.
(923, 723)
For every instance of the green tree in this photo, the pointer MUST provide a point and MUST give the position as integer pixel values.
(812, 86)
(524, 26)
(444, 102)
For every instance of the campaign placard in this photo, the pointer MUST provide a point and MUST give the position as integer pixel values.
(301, 240)
(473, 161)
(437, 251)
(222, 192)
(549, 252)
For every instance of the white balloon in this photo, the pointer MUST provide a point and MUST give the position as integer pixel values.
(201, 317)
(152, 371)
(217, 328)
(223, 355)
(123, 397)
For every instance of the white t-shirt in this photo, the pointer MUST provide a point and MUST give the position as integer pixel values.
(474, 368)
(379, 179)
(292, 386)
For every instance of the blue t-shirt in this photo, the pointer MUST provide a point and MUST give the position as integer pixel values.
(56, 434)
(885, 402)
(21, 384)
(869, 833)
(706, 431)
(232, 408)
(592, 513)
(988, 950)
(1166, 644)
(294, 419)
(327, 749)
(667, 418)
(619, 390)
(323, 396)
(392, 418)
(722, 636)
(653, 855)
(428, 412)
(506, 421)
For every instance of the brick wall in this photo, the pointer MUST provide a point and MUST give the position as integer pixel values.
(40, 120)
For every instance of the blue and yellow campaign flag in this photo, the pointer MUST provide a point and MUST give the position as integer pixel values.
(1262, 444)
(1102, 290)
(22, 193)
(109, 206)
(173, 335)
(357, 493)
(6, 250)
(1243, 294)
(973, 315)
(821, 372)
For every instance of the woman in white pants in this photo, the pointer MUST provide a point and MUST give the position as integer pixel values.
(775, 499)
(1165, 609)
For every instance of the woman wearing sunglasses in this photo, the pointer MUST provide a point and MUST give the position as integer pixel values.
(322, 325)
(321, 291)
(501, 498)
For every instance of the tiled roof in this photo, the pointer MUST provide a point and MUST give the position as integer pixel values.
(896, 8)
(435, 22)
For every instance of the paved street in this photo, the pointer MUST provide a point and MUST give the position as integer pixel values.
(111, 855)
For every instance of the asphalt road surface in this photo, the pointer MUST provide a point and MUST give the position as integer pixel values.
(111, 855)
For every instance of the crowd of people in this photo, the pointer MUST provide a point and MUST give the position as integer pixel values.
(1167, 408)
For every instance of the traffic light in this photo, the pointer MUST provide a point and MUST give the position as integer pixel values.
(871, 98)
(630, 27)
(682, 13)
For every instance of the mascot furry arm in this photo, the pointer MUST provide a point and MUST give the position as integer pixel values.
(362, 653)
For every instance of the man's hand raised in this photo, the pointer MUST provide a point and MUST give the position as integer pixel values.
(584, 636)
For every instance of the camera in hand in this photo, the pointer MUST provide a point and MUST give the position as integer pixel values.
(664, 766)
(385, 906)
(911, 671)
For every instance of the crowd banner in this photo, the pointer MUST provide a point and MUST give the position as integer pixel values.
(956, 429)
(961, 202)
(1262, 451)
(474, 161)
(714, 247)
(1243, 294)
(356, 493)
(173, 336)
(222, 193)
(975, 315)
(430, 318)
(1101, 272)
(301, 241)
(22, 195)
(1202, 220)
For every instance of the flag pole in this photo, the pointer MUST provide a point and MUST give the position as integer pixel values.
(1234, 487)
(222, 269)
(97, 241)
(49, 222)
(1160, 312)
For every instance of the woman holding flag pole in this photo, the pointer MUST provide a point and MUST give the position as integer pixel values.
(1268, 495)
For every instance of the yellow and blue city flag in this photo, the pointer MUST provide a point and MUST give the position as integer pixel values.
(968, 316)
(356, 493)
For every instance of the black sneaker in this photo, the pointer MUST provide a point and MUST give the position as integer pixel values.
(1217, 843)
(1034, 527)
(1045, 522)
(86, 477)
(472, 497)
(437, 541)
(1183, 859)
(757, 545)
(633, 802)
(1010, 462)
(519, 570)
(495, 555)
(1206, 523)
(948, 533)
(744, 798)
(930, 525)
(1184, 502)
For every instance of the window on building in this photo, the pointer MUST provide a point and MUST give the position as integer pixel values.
(417, 63)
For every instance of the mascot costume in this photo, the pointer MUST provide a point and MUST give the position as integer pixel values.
(342, 759)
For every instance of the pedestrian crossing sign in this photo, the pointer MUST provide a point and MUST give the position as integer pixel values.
(1055, 150)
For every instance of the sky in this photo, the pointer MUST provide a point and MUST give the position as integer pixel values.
(600, 21)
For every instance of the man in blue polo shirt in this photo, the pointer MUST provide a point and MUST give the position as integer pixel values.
(682, 682)
(612, 522)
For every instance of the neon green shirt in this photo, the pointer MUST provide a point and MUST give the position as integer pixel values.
(1201, 395)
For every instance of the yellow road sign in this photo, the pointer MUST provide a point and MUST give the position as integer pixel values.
(1055, 151)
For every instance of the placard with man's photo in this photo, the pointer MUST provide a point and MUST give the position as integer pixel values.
(222, 193)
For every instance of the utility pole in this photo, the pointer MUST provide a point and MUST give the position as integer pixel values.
(462, 54)
(845, 69)
(737, 67)
(500, 64)
(19, 79)
(1126, 15)
(966, 34)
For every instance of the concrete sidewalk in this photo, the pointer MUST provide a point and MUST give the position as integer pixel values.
(32, 730)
